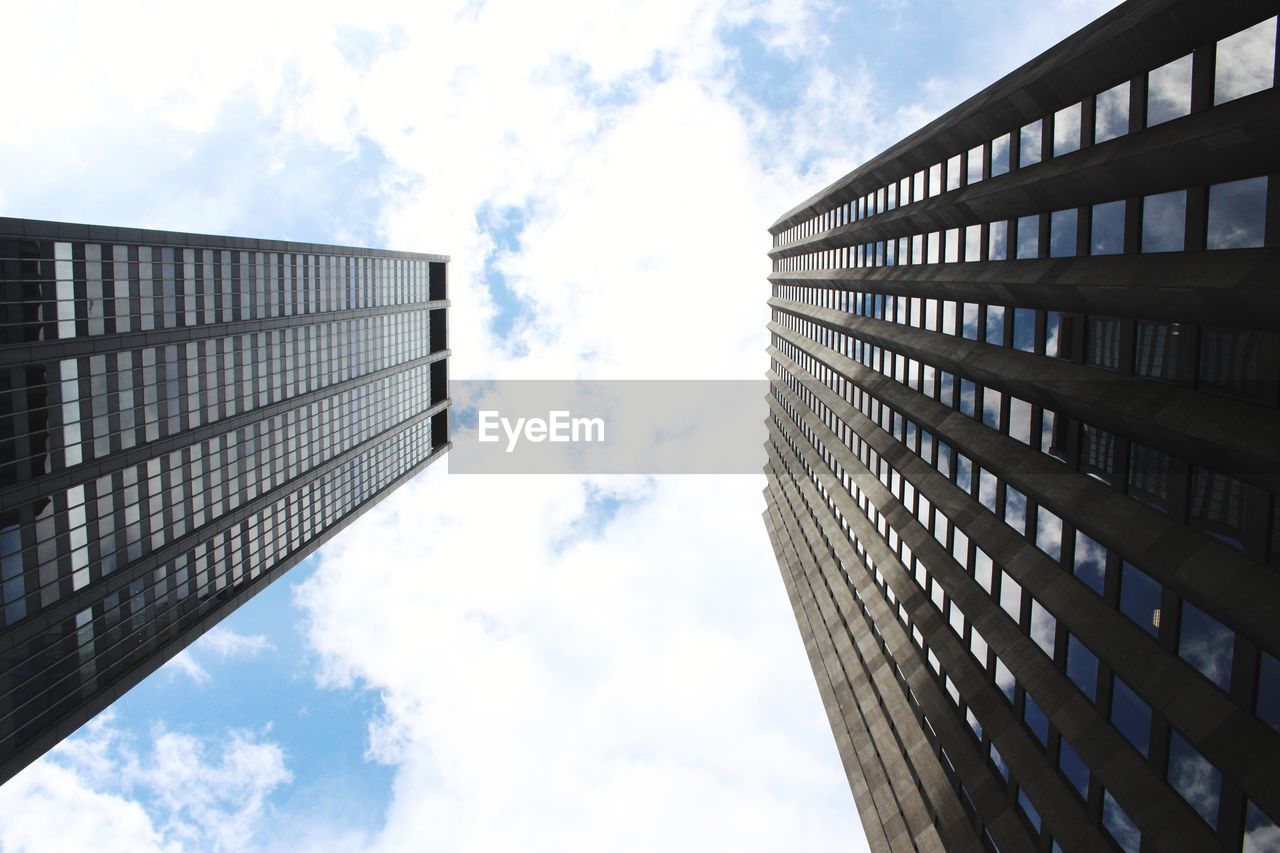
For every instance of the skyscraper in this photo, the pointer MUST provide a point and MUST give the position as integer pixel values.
(186, 417)
(1023, 449)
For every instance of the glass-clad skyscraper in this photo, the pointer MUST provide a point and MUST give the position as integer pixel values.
(1023, 455)
(182, 419)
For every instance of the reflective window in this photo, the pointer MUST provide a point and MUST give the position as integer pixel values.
(1140, 598)
(1062, 233)
(1169, 91)
(969, 321)
(1028, 237)
(973, 243)
(1111, 115)
(1044, 628)
(953, 173)
(995, 325)
(1237, 214)
(1206, 644)
(1217, 505)
(991, 399)
(1107, 232)
(1164, 221)
(1195, 778)
(1074, 768)
(1119, 825)
(1261, 835)
(1011, 596)
(998, 241)
(1157, 350)
(998, 760)
(1102, 342)
(999, 155)
(1231, 361)
(1037, 720)
(1020, 420)
(1024, 329)
(1082, 667)
(1245, 62)
(1066, 130)
(1268, 708)
(935, 179)
(1029, 141)
(1004, 679)
(1024, 803)
(1048, 532)
(1130, 715)
(974, 162)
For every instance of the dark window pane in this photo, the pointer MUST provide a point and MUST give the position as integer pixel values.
(1074, 768)
(1149, 474)
(1097, 452)
(1237, 214)
(1239, 362)
(1122, 829)
(998, 760)
(1157, 350)
(1206, 644)
(1024, 329)
(1164, 221)
(1062, 233)
(1217, 505)
(1090, 562)
(1037, 720)
(1268, 709)
(1140, 598)
(1102, 347)
(1107, 234)
(1082, 667)
(1131, 716)
(1024, 803)
(1195, 778)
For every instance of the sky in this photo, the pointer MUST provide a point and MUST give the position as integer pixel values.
(486, 663)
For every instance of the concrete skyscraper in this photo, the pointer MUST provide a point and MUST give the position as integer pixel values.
(184, 418)
(1024, 449)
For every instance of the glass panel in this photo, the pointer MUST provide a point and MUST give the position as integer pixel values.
(1024, 329)
(1011, 597)
(1237, 214)
(1090, 562)
(935, 179)
(998, 242)
(991, 400)
(1028, 237)
(1268, 708)
(1029, 142)
(973, 243)
(1245, 62)
(1195, 778)
(1122, 829)
(1062, 233)
(998, 760)
(1004, 680)
(1044, 628)
(974, 162)
(995, 325)
(1164, 220)
(1102, 344)
(1082, 667)
(1074, 768)
(1048, 530)
(999, 155)
(1169, 91)
(953, 173)
(1140, 598)
(1066, 130)
(1157, 350)
(1261, 835)
(1107, 234)
(1111, 115)
(1130, 715)
(1029, 810)
(1206, 644)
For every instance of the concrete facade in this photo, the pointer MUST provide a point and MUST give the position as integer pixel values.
(1022, 459)
(186, 417)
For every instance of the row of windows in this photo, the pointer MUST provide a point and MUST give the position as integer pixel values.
(1203, 642)
(1244, 63)
(87, 531)
(115, 401)
(93, 289)
(1241, 363)
(1212, 502)
(1235, 217)
(72, 660)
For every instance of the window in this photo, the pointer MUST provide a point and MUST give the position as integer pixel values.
(1111, 114)
(1217, 505)
(1119, 825)
(1260, 832)
(1097, 452)
(1004, 680)
(1015, 509)
(1074, 768)
(1024, 803)
(1237, 214)
(1107, 232)
(1044, 628)
(974, 162)
(1157, 350)
(998, 241)
(1103, 342)
(1268, 707)
(999, 155)
(1169, 91)
(998, 760)
(1195, 778)
(1057, 334)
(1062, 233)
(1020, 420)
(1164, 219)
(1245, 62)
(953, 173)
(1029, 141)
(1140, 598)
(967, 393)
(1231, 362)
(1082, 667)
(1024, 329)
(1131, 716)
(1048, 527)
(1206, 644)
(1028, 237)
(995, 325)
(1066, 130)
(1011, 596)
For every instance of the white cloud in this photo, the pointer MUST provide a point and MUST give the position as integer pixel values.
(100, 790)
(185, 664)
(226, 643)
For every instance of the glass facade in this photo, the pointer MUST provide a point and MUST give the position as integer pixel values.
(1022, 483)
(185, 417)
